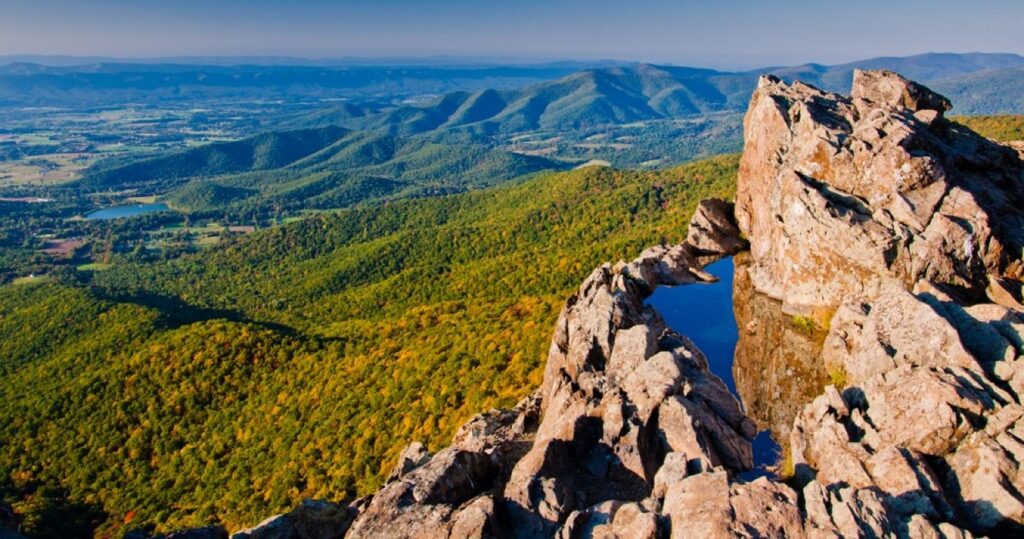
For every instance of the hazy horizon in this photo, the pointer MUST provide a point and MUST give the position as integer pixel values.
(727, 34)
(440, 60)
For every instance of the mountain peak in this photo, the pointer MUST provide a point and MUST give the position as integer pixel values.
(892, 90)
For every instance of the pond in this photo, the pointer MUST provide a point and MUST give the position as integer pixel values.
(704, 313)
(133, 210)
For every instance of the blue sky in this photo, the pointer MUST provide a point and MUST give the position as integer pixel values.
(700, 32)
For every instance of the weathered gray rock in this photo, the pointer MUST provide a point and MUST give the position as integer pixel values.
(893, 91)
(312, 519)
(707, 505)
(987, 478)
(611, 519)
(425, 501)
(713, 228)
(894, 330)
(838, 195)
(698, 506)
(475, 520)
(768, 508)
(412, 457)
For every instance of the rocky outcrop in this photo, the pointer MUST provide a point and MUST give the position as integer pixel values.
(621, 391)
(713, 228)
(885, 258)
(893, 227)
(839, 195)
(312, 519)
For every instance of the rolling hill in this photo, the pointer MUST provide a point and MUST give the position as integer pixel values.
(261, 152)
(325, 167)
(618, 95)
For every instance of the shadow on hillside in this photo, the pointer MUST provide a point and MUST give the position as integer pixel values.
(176, 313)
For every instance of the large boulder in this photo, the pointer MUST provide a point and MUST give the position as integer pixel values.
(713, 228)
(840, 194)
(426, 500)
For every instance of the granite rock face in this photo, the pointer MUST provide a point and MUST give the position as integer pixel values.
(713, 228)
(312, 519)
(896, 237)
(839, 195)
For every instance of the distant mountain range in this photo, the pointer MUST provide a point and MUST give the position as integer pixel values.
(507, 97)
(96, 84)
(364, 151)
(53, 60)
(979, 84)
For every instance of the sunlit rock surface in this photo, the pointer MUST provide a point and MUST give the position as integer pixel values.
(839, 195)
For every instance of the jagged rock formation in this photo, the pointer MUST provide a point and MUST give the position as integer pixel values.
(713, 229)
(900, 232)
(839, 195)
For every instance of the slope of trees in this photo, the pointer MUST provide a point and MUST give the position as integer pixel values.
(229, 384)
(1004, 128)
(261, 152)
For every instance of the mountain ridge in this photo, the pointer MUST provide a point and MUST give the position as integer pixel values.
(640, 92)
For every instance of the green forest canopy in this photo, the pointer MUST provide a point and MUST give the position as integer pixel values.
(296, 363)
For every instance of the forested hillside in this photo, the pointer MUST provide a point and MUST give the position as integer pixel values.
(228, 384)
(319, 168)
(1004, 128)
(261, 152)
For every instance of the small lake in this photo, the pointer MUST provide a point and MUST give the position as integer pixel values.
(704, 313)
(133, 210)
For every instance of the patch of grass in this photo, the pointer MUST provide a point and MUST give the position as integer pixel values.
(32, 279)
(93, 266)
(838, 377)
(805, 324)
(787, 468)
